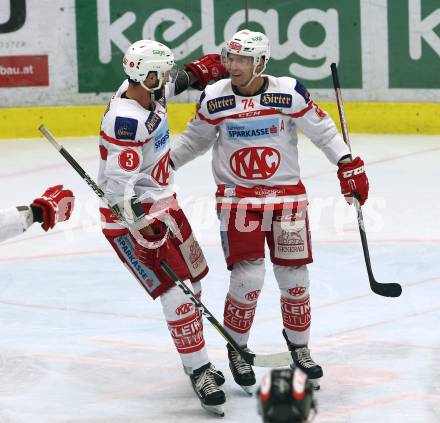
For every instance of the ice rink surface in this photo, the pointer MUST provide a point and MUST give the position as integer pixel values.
(81, 342)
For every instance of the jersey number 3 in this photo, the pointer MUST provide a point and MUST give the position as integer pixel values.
(128, 159)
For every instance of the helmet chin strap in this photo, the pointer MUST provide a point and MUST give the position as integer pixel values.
(145, 87)
(249, 82)
(151, 90)
(156, 93)
(254, 75)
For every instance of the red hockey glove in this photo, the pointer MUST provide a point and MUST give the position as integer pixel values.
(207, 68)
(55, 205)
(152, 257)
(353, 180)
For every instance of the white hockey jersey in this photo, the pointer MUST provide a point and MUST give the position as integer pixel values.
(254, 140)
(12, 223)
(135, 152)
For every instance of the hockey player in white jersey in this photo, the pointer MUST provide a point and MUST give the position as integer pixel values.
(251, 121)
(55, 205)
(135, 148)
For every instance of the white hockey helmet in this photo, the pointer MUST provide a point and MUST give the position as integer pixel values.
(146, 56)
(252, 44)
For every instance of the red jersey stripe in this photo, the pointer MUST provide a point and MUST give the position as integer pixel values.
(256, 113)
(123, 143)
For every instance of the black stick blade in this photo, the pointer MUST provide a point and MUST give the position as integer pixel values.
(386, 289)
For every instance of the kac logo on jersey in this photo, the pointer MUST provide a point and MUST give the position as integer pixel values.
(152, 122)
(125, 128)
(276, 100)
(161, 171)
(252, 129)
(221, 103)
(161, 140)
(255, 162)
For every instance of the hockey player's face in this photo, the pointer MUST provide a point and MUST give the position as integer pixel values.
(239, 68)
(152, 81)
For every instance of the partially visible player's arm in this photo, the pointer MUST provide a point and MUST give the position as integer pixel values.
(198, 138)
(14, 221)
(55, 205)
(197, 74)
(318, 126)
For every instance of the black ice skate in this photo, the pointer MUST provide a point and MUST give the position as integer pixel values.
(241, 371)
(218, 375)
(206, 381)
(301, 358)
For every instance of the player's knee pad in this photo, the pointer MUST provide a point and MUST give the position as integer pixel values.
(295, 300)
(247, 278)
(293, 281)
(184, 321)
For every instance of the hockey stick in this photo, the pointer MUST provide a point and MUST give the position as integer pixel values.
(384, 289)
(259, 360)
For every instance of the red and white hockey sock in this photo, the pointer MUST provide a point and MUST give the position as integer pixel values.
(186, 328)
(295, 302)
(247, 278)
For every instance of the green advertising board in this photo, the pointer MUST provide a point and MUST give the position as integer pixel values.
(414, 43)
(305, 36)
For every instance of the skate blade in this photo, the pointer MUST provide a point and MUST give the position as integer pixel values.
(248, 389)
(215, 409)
(316, 384)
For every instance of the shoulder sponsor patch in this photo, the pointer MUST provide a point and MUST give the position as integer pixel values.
(202, 97)
(276, 99)
(152, 122)
(221, 103)
(302, 91)
(163, 102)
(252, 129)
(125, 128)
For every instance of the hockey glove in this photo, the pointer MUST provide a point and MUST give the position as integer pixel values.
(207, 68)
(152, 257)
(354, 181)
(55, 205)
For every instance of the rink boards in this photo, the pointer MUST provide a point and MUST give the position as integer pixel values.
(364, 118)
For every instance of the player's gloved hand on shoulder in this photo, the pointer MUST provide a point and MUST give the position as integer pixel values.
(152, 257)
(55, 205)
(353, 180)
(207, 68)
